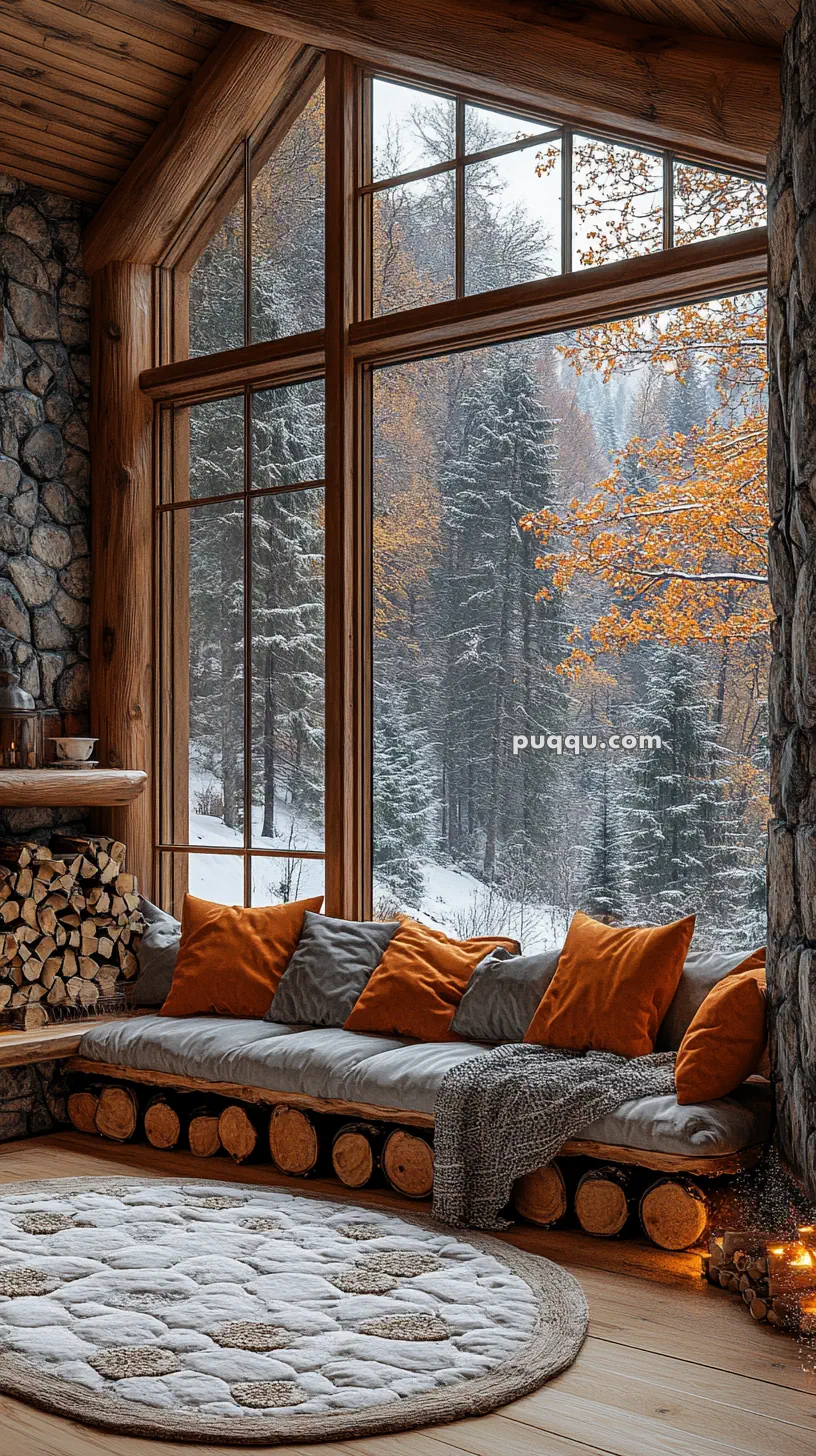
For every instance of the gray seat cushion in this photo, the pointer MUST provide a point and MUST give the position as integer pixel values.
(329, 970)
(404, 1076)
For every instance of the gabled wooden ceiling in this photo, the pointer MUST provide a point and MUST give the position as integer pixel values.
(762, 21)
(83, 83)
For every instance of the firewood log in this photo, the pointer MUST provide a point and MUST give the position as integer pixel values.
(117, 1115)
(356, 1153)
(238, 1133)
(674, 1213)
(293, 1141)
(603, 1200)
(202, 1133)
(541, 1196)
(407, 1160)
(162, 1123)
(82, 1106)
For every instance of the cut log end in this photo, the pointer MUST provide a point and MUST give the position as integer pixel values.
(354, 1157)
(117, 1115)
(162, 1124)
(238, 1133)
(203, 1135)
(82, 1108)
(293, 1141)
(541, 1196)
(408, 1164)
(674, 1213)
(603, 1201)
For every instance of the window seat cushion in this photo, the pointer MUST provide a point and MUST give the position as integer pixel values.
(388, 1072)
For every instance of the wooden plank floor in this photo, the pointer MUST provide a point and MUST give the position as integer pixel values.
(671, 1366)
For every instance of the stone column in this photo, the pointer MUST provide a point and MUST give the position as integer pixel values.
(792, 552)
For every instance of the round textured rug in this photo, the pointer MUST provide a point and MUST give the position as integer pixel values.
(233, 1313)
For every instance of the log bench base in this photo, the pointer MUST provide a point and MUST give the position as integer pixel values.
(303, 1136)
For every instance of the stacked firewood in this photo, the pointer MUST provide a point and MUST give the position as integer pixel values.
(69, 919)
(775, 1279)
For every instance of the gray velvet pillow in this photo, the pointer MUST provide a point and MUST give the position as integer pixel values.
(156, 954)
(329, 969)
(702, 970)
(502, 995)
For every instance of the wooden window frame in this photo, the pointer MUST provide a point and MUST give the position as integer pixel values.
(345, 353)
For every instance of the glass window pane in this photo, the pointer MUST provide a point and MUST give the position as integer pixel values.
(570, 675)
(485, 128)
(216, 448)
(215, 657)
(708, 204)
(617, 197)
(288, 230)
(413, 244)
(215, 877)
(410, 129)
(288, 434)
(217, 289)
(288, 688)
(277, 880)
(513, 218)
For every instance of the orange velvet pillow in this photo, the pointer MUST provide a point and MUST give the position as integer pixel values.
(613, 986)
(725, 1041)
(230, 960)
(419, 983)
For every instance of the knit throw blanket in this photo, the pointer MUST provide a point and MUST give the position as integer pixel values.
(504, 1114)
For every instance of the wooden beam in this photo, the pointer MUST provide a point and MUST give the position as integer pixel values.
(714, 100)
(280, 361)
(347, 568)
(122, 544)
(227, 98)
(665, 279)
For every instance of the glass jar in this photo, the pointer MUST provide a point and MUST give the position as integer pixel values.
(20, 721)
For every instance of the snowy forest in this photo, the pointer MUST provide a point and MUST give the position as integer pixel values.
(569, 538)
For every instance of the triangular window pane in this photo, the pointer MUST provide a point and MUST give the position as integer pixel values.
(288, 230)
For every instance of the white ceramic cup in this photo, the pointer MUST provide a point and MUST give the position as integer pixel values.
(73, 750)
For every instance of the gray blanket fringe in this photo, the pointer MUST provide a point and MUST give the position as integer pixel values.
(502, 1115)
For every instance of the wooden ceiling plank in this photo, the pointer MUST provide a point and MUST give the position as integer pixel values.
(54, 87)
(99, 38)
(70, 139)
(176, 20)
(62, 154)
(715, 101)
(31, 101)
(20, 164)
(228, 98)
(145, 22)
(38, 57)
(91, 63)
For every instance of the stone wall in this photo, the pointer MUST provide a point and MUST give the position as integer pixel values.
(792, 497)
(44, 462)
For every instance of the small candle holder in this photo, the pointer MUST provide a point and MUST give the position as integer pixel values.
(20, 721)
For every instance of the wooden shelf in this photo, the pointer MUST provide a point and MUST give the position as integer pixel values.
(56, 787)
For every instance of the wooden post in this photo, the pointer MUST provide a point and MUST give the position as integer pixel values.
(122, 545)
(347, 642)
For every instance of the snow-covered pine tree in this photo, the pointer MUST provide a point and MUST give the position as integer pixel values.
(403, 778)
(604, 869)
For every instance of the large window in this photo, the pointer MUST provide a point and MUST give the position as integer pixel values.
(570, 631)
(539, 683)
(461, 199)
(241, 538)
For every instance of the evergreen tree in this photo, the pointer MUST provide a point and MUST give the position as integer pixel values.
(402, 801)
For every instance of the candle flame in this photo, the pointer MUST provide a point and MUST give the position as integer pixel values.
(803, 1260)
(778, 1251)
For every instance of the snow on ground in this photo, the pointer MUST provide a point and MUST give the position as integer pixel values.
(454, 901)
